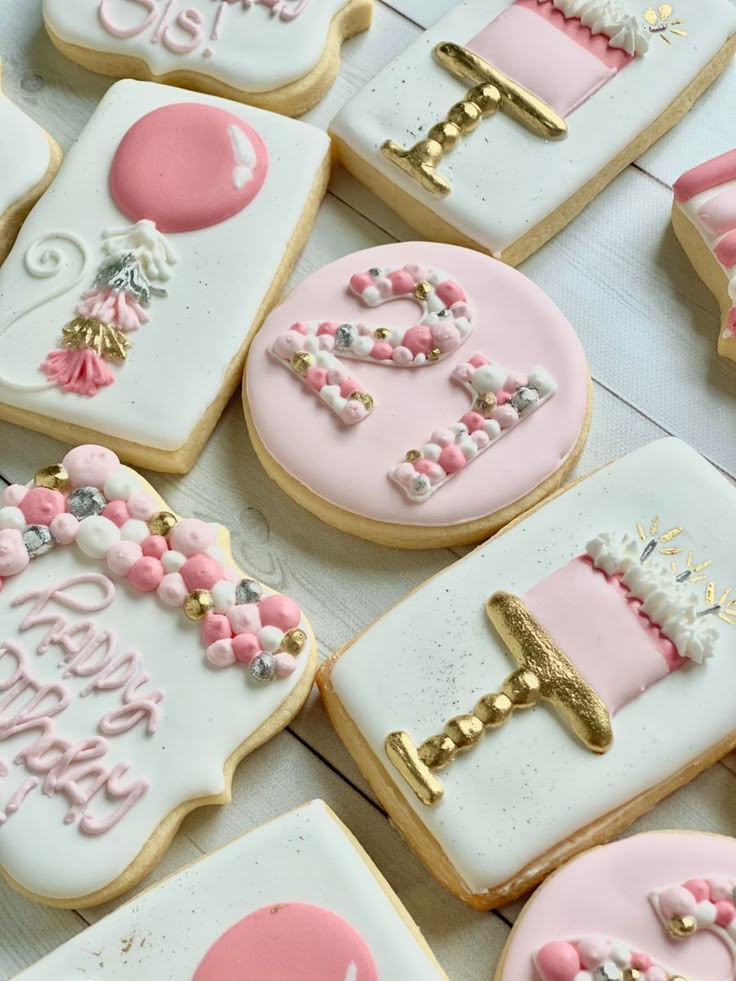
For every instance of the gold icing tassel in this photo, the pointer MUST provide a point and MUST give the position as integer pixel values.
(492, 91)
(545, 673)
(105, 340)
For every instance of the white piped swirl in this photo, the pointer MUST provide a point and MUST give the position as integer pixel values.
(622, 29)
(671, 605)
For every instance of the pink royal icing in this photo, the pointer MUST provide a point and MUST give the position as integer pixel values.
(523, 44)
(605, 903)
(289, 942)
(348, 465)
(188, 166)
(705, 176)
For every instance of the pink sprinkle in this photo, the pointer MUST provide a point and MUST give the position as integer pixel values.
(442, 437)
(506, 416)
(382, 351)
(146, 574)
(201, 572)
(287, 344)
(640, 961)
(725, 912)
(326, 343)
(221, 654)
(41, 505)
(299, 327)
(245, 618)
(155, 546)
(451, 459)
(316, 378)
(285, 664)
(558, 961)
(401, 281)
(405, 473)
(446, 337)
(13, 495)
(419, 340)
(402, 355)
(90, 466)
(360, 282)
(192, 536)
(64, 528)
(450, 293)
(348, 386)
(327, 327)
(117, 512)
(215, 626)
(123, 556)
(279, 611)
(245, 647)
(676, 901)
(141, 506)
(478, 360)
(353, 412)
(699, 889)
(473, 420)
(172, 590)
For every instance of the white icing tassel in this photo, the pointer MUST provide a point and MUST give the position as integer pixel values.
(671, 605)
(143, 241)
(606, 17)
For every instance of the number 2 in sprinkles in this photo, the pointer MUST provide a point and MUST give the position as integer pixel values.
(499, 400)
(537, 62)
(178, 169)
(588, 639)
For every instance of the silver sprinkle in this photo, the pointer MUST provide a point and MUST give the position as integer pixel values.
(608, 972)
(345, 336)
(523, 398)
(248, 591)
(420, 484)
(84, 502)
(37, 540)
(263, 668)
(375, 272)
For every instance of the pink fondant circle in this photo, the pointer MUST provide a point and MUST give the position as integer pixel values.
(605, 892)
(289, 942)
(515, 324)
(187, 166)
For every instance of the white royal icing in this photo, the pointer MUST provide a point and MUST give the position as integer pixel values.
(499, 197)
(620, 26)
(304, 855)
(24, 154)
(673, 606)
(222, 274)
(204, 716)
(245, 45)
(498, 815)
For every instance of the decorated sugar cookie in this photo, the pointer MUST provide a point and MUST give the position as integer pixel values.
(294, 900)
(128, 301)
(704, 219)
(654, 907)
(417, 394)
(505, 119)
(610, 613)
(29, 158)
(281, 55)
(138, 666)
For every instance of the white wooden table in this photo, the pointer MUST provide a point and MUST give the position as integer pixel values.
(649, 327)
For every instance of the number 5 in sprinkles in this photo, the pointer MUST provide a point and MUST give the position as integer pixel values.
(537, 62)
(587, 639)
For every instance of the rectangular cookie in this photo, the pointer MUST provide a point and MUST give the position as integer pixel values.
(607, 612)
(297, 895)
(562, 95)
(128, 301)
(138, 666)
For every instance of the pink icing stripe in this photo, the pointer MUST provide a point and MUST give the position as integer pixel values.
(572, 27)
(719, 214)
(710, 174)
(616, 648)
(725, 251)
(547, 62)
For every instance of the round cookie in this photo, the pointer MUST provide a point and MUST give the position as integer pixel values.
(418, 395)
(660, 904)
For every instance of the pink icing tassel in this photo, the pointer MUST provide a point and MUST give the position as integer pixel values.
(80, 371)
(112, 307)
